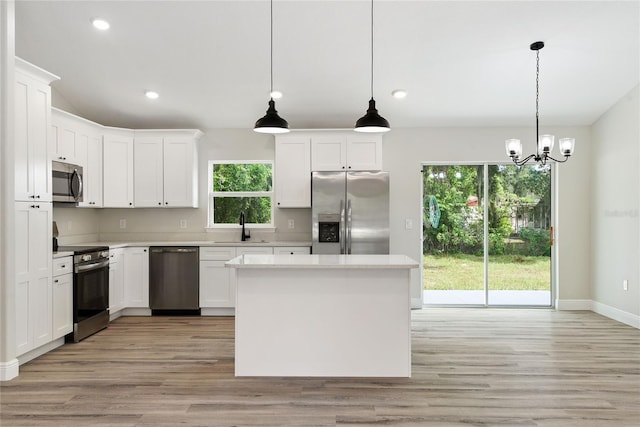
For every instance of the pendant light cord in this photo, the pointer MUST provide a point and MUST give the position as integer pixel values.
(371, 49)
(271, 41)
(537, 95)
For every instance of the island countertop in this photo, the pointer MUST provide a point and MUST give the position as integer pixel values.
(322, 261)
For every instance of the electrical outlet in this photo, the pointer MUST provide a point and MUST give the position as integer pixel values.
(408, 224)
(625, 285)
(292, 224)
(183, 223)
(123, 223)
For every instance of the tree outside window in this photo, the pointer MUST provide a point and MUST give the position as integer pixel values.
(240, 186)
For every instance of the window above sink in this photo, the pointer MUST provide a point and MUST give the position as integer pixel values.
(240, 186)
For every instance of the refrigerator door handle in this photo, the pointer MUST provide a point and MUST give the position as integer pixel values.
(348, 227)
(342, 227)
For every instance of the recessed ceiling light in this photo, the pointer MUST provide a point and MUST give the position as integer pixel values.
(276, 94)
(151, 94)
(399, 93)
(100, 24)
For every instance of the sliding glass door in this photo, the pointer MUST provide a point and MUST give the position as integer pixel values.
(486, 235)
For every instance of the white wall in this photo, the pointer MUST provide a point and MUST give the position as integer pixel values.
(403, 152)
(615, 206)
(405, 149)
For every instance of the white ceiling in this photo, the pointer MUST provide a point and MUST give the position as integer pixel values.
(463, 63)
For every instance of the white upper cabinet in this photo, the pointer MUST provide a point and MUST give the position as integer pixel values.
(84, 139)
(346, 152)
(364, 152)
(93, 172)
(181, 171)
(66, 138)
(293, 171)
(148, 170)
(329, 153)
(32, 132)
(166, 168)
(117, 171)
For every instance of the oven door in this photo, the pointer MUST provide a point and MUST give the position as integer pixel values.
(91, 289)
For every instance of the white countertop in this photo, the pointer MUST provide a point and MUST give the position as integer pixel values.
(62, 254)
(276, 243)
(322, 261)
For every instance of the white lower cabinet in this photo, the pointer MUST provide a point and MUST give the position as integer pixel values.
(218, 283)
(216, 289)
(33, 273)
(136, 277)
(116, 280)
(62, 296)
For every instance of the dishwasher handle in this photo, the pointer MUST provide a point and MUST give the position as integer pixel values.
(172, 250)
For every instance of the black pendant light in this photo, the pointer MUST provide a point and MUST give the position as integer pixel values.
(271, 122)
(372, 121)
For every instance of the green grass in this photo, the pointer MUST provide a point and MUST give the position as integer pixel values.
(506, 272)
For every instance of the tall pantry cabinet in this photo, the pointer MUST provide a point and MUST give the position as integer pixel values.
(33, 207)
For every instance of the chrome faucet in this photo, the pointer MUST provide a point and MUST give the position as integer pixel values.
(244, 235)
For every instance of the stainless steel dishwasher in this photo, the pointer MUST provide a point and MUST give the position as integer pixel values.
(174, 279)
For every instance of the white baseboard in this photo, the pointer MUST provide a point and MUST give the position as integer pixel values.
(9, 370)
(600, 308)
(574, 304)
(136, 311)
(616, 314)
(228, 311)
(37, 352)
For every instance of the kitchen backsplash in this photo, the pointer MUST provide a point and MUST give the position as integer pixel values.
(78, 225)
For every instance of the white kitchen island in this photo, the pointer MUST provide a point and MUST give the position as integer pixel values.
(323, 315)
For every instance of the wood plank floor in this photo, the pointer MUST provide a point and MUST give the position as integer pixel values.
(471, 367)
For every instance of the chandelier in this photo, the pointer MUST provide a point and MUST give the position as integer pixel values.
(544, 142)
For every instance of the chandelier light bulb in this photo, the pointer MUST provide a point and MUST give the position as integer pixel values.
(514, 148)
(566, 146)
(545, 144)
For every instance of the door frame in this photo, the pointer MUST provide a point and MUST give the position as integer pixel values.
(553, 271)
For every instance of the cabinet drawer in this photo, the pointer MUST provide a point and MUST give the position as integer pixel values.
(114, 254)
(209, 253)
(63, 265)
(292, 250)
(255, 250)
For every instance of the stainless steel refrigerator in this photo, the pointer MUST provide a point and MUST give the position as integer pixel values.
(350, 212)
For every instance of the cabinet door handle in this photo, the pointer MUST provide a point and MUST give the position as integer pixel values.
(55, 281)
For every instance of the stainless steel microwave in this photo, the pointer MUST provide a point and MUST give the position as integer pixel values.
(67, 182)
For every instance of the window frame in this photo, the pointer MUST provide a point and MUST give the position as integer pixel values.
(212, 194)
